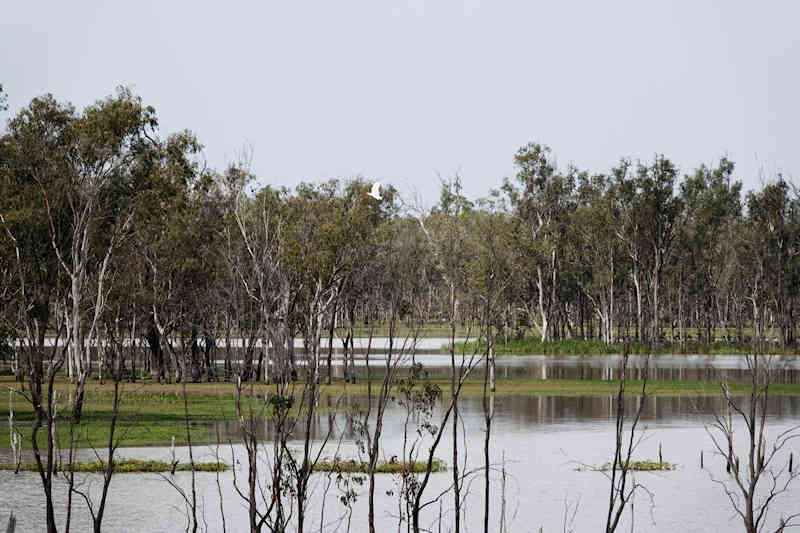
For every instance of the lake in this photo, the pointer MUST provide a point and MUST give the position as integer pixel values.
(543, 444)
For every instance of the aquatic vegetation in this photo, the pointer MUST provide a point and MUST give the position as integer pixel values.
(534, 346)
(635, 466)
(127, 466)
(383, 467)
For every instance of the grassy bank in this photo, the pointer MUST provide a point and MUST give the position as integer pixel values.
(152, 414)
(534, 346)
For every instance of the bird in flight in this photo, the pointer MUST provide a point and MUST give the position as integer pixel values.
(376, 191)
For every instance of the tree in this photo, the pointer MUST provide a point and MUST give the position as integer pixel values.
(775, 217)
(597, 250)
(541, 201)
(444, 231)
(712, 203)
(755, 482)
(623, 486)
(99, 179)
(33, 152)
(489, 275)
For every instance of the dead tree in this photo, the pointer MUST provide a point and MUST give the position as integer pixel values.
(623, 486)
(755, 473)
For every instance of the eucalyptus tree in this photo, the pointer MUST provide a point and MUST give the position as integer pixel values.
(712, 202)
(647, 215)
(99, 183)
(600, 253)
(391, 278)
(35, 153)
(256, 239)
(488, 276)
(173, 240)
(663, 210)
(541, 200)
(77, 176)
(25, 322)
(316, 254)
(359, 219)
(445, 231)
(773, 214)
(260, 289)
(629, 227)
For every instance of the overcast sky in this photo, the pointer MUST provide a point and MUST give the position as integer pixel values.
(402, 91)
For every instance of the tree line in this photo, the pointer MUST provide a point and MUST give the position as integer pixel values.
(105, 218)
(122, 255)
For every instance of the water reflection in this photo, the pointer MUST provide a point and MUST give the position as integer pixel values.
(786, 370)
(524, 413)
(539, 440)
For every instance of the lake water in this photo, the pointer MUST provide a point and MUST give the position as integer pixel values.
(542, 439)
(714, 368)
(539, 441)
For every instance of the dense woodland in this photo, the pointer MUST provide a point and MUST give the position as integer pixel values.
(111, 228)
(113, 235)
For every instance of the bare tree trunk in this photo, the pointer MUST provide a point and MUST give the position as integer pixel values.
(330, 344)
(639, 318)
(621, 492)
(488, 408)
(545, 323)
(454, 378)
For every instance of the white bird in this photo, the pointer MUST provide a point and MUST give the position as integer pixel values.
(376, 191)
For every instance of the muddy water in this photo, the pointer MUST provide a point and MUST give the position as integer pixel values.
(539, 443)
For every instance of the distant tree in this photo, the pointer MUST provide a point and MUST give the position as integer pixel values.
(597, 252)
(663, 209)
(774, 214)
(488, 277)
(541, 199)
(712, 202)
(445, 232)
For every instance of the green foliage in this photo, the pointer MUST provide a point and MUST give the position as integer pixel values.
(280, 404)
(534, 346)
(127, 466)
(146, 418)
(383, 467)
(640, 466)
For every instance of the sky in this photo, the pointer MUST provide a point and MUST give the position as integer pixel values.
(409, 91)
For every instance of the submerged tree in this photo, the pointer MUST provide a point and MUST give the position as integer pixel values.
(755, 477)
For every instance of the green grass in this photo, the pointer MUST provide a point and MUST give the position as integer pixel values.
(590, 388)
(126, 466)
(383, 467)
(534, 346)
(152, 414)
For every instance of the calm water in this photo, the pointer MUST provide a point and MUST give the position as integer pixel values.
(713, 368)
(543, 440)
